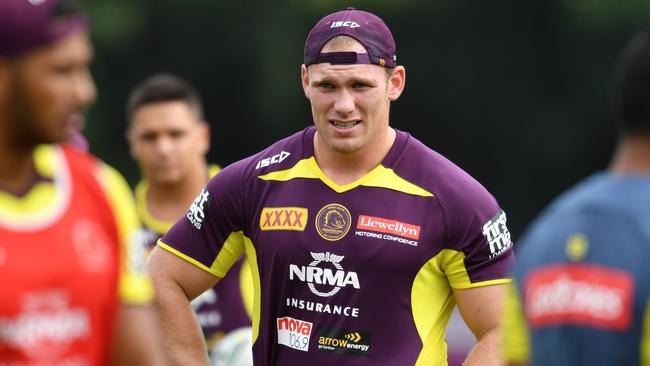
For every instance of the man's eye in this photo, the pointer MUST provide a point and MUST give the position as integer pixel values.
(326, 85)
(360, 85)
(64, 69)
(177, 134)
(148, 137)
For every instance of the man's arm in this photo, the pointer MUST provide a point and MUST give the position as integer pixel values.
(136, 340)
(481, 308)
(176, 282)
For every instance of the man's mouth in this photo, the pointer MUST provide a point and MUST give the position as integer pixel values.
(345, 124)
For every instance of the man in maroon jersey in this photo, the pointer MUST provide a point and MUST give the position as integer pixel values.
(361, 239)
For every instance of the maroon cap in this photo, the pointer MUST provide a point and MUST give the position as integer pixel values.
(365, 27)
(27, 24)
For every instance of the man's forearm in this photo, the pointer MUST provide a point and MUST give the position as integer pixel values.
(487, 351)
(181, 335)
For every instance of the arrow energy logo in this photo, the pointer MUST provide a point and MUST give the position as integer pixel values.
(344, 341)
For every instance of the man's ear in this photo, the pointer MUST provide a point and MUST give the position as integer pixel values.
(130, 139)
(304, 77)
(396, 83)
(205, 136)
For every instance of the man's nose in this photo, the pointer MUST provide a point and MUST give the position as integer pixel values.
(344, 104)
(84, 87)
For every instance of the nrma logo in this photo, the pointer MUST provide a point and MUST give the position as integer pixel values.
(316, 274)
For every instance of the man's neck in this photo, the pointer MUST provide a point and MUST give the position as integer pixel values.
(17, 168)
(168, 202)
(632, 156)
(344, 168)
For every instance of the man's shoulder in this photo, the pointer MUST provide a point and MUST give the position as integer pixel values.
(85, 165)
(62, 162)
(431, 170)
(603, 214)
(563, 212)
(601, 195)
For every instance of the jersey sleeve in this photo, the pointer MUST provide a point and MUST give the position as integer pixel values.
(134, 285)
(477, 235)
(210, 235)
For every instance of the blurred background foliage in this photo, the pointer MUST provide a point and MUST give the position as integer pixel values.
(515, 92)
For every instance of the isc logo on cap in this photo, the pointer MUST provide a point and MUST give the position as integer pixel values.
(347, 23)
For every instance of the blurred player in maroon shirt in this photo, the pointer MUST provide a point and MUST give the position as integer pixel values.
(169, 138)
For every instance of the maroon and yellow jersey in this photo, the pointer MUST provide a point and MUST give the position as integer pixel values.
(64, 261)
(355, 274)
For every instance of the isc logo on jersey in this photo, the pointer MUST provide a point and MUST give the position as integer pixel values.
(497, 234)
(196, 215)
(294, 333)
(275, 159)
(327, 279)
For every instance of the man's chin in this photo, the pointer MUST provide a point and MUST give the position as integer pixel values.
(165, 180)
(346, 147)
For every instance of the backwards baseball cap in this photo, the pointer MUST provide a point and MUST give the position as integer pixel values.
(367, 28)
(27, 24)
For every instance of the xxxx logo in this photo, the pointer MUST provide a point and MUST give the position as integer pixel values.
(283, 218)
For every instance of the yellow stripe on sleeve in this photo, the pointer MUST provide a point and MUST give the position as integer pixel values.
(231, 250)
(453, 264)
(432, 301)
